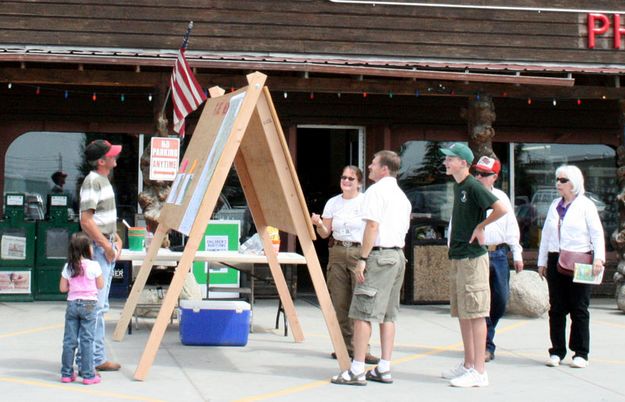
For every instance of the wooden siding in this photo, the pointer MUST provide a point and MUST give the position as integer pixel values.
(313, 27)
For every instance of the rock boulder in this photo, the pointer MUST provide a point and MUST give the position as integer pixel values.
(529, 295)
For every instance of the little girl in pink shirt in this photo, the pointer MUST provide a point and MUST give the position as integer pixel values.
(81, 278)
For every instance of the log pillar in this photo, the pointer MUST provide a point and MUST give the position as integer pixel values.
(155, 192)
(480, 115)
(618, 237)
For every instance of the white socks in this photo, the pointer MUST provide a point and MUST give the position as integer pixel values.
(384, 366)
(357, 367)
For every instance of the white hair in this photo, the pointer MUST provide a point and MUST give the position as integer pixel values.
(574, 175)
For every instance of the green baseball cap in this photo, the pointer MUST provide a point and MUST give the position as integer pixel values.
(460, 150)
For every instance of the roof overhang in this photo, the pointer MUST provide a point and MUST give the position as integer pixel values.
(547, 74)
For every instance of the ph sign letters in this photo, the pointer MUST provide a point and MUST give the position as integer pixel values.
(599, 24)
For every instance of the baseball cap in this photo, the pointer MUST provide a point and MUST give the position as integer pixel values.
(460, 150)
(100, 148)
(488, 165)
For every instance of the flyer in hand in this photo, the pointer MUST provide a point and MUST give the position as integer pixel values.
(583, 274)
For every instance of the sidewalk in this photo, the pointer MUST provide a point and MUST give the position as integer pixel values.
(273, 367)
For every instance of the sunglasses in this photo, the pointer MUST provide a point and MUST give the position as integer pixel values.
(482, 174)
(562, 180)
(348, 178)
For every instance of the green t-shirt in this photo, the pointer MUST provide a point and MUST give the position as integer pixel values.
(471, 201)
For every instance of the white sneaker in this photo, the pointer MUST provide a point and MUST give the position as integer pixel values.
(472, 378)
(554, 361)
(579, 362)
(455, 372)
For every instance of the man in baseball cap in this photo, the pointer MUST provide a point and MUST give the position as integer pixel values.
(98, 219)
(488, 165)
(99, 149)
(459, 150)
(58, 178)
(469, 301)
(499, 237)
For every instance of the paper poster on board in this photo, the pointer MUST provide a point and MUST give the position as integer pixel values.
(13, 248)
(15, 282)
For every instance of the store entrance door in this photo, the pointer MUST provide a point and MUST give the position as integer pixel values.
(322, 152)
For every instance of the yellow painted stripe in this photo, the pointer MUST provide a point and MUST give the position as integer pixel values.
(433, 350)
(31, 331)
(607, 323)
(78, 389)
(284, 392)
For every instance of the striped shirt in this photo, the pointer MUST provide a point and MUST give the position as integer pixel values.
(97, 194)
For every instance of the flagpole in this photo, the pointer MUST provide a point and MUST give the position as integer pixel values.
(185, 42)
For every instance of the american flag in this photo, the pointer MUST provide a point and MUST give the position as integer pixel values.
(186, 92)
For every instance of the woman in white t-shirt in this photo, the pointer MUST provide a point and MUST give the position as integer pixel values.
(341, 220)
(81, 278)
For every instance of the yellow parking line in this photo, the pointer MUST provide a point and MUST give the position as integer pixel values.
(78, 389)
(609, 324)
(434, 350)
(31, 331)
(284, 392)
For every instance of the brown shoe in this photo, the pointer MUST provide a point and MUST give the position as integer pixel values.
(371, 359)
(333, 354)
(488, 356)
(108, 366)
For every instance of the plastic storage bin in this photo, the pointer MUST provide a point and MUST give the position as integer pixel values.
(214, 322)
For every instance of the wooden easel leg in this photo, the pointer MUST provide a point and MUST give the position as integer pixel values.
(323, 296)
(139, 283)
(164, 314)
(283, 289)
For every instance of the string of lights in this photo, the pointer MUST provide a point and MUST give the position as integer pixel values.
(439, 90)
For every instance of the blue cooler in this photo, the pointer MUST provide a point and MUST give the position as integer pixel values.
(214, 322)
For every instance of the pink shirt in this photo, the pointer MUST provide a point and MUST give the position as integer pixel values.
(83, 287)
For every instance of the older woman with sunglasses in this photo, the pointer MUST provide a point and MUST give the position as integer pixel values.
(572, 224)
(341, 221)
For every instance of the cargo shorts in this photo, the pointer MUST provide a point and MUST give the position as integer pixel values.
(378, 298)
(469, 287)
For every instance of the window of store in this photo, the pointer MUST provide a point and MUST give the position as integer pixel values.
(430, 191)
(535, 166)
(33, 157)
(423, 179)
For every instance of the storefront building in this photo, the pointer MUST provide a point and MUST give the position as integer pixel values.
(539, 84)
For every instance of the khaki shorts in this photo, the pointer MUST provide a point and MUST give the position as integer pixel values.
(469, 288)
(378, 298)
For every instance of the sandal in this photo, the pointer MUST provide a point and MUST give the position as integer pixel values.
(353, 379)
(377, 376)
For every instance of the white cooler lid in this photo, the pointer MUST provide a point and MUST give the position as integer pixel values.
(237, 305)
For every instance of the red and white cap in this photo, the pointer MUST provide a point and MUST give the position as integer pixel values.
(488, 165)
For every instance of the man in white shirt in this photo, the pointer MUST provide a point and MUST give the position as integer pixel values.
(380, 270)
(500, 235)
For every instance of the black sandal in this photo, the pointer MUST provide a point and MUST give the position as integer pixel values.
(353, 379)
(377, 376)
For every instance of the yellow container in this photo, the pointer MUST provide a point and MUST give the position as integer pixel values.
(274, 235)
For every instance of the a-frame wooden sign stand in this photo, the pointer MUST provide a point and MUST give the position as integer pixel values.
(240, 127)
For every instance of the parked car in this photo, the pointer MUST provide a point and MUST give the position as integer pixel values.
(543, 198)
